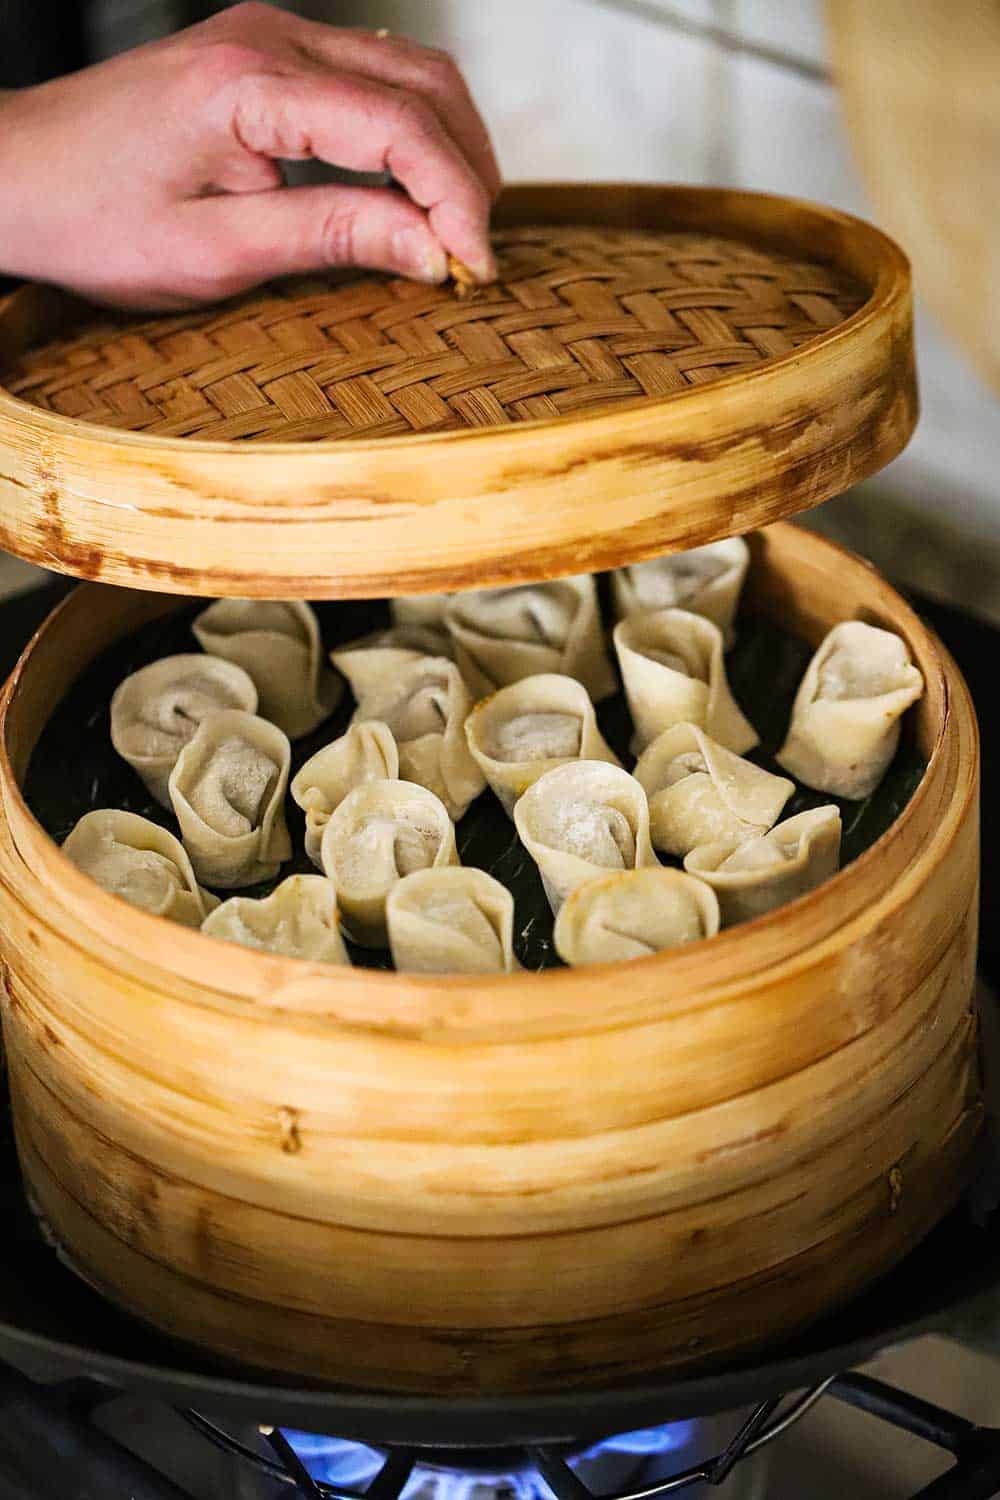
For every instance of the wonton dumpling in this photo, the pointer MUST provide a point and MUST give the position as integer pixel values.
(580, 820)
(700, 793)
(705, 580)
(278, 643)
(845, 721)
(425, 703)
(502, 635)
(421, 609)
(674, 673)
(298, 920)
(156, 710)
(227, 791)
(633, 914)
(382, 831)
(528, 728)
(760, 874)
(141, 862)
(451, 921)
(367, 752)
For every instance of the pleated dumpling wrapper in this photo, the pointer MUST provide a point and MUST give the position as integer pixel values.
(367, 752)
(524, 730)
(633, 914)
(382, 831)
(581, 820)
(502, 635)
(278, 643)
(420, 609)
(700, 793)
(845, 722)
(425, 703)
(763, 873)
(156, 710)
(141, 862)
(297, 920)
(705, 580)
(228, 792)
(451, 921)
(674, 673)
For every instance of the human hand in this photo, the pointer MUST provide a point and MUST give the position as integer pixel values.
(153, 180)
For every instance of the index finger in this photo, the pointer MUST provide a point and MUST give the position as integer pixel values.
(425, 71)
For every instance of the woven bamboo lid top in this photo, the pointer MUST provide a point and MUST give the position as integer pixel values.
(689, 364)
(582, 318)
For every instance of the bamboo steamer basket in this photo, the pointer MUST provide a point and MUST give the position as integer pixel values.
(453, 1184)
(700, 364)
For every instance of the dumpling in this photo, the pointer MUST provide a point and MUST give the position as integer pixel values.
(845, 721)
(382, 831)
(700, 793)
(580, 820)
(528, 728)
(633, 914)
(502, 635)
(158, 709)
(227, 791)
(141, 862)
(451, 921)
(421, 609)
(760, 874)
(674, 673)
(367, 752)
(298, 919)
(705, 580)
(425, 703)
(278, 643)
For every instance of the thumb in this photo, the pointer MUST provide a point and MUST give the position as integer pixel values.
(239, 240)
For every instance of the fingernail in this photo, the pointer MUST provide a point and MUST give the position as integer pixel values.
(420, 255)
(484, 268)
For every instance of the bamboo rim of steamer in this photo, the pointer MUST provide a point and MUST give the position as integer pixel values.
(454, 1008)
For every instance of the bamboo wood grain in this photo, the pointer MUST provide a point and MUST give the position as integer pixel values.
(456, 509)
(468, 1183)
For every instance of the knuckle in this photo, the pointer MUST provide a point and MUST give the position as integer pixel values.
(337, 237)
(224, 61)
(251, 12)
(414, 116)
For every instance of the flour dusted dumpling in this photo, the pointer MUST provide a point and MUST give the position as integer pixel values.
(760, 874)
(528, 728)
(633, 914)
(451, 921)
(502, 635)
(367, 752)
(141, 862)
(705, 580)
(382, 831)
(227, 791)
(580, 820)
(421, 609)
(674, 673)
(158, 709)
(845, 721)
(425, 703)
(298, 920)
(278, 643)
(700, 793)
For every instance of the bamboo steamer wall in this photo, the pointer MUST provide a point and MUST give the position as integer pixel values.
(446, 1184)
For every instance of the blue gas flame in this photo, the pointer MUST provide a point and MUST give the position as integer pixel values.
(352, 1466)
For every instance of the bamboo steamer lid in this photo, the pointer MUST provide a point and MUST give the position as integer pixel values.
(656, 368)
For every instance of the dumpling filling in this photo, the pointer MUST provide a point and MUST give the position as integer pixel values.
(460, 913)
(670, 583)
(170, 718)
(599, 834)
(383, 849)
